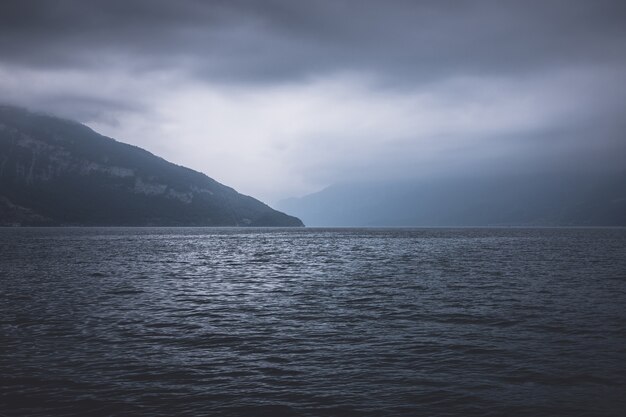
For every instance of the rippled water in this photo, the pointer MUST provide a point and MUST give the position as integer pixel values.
(188, 322)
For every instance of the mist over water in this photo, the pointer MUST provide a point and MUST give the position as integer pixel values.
(312, 322)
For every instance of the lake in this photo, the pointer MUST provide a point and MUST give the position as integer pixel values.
(312, 322)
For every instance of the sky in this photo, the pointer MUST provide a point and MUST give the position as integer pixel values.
(281, 98)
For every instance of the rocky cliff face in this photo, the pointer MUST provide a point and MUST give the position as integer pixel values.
(58, 172)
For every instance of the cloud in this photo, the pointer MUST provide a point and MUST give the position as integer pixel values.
(281, 98)
(274, 41)
(294, 139)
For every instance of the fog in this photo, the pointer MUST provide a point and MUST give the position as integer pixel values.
(285, 98)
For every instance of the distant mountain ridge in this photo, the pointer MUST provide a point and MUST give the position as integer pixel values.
(58, 172)
(503, 200)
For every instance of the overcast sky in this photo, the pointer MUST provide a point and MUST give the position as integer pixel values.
(281, 98)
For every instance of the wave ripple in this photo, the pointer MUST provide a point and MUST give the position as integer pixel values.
(313, 322)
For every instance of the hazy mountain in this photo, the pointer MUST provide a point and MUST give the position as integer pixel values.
(530, 200)
(58, 172)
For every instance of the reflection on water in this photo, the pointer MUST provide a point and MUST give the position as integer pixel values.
(312, 322)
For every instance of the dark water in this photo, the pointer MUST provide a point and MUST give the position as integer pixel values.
(192, 322)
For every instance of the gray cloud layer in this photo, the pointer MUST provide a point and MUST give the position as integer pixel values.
(569, 56)
(407, 41)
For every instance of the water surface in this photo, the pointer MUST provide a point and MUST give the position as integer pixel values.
(363, 322)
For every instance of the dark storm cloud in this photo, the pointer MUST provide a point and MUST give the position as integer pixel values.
(259, 41)
(285, 96)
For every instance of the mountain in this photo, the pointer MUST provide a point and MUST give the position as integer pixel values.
(522, 200)
(59, 172)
